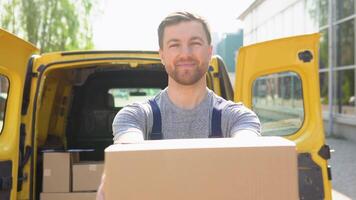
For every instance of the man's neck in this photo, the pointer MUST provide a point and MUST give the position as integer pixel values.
(187, 96)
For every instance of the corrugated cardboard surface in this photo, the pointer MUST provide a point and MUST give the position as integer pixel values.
(226, 168)
(56, 172)
(87, 176)
(69, 196)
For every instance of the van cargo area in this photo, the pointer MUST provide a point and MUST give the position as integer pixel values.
(76, 107)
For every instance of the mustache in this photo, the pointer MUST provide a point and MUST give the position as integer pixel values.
(183, 60)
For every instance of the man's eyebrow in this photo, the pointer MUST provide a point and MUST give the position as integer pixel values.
(197, 38)
(172, 40)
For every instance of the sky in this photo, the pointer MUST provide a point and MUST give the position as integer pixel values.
(132, 24)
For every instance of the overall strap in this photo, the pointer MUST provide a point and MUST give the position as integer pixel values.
(216, 131)
(156, 133)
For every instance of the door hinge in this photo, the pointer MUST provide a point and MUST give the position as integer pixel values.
(324, 152)
(329, 173)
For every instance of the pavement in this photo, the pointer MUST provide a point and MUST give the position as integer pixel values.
(343, 168)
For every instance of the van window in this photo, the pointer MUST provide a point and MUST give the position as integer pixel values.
(278, 102)
(4, 89)
(124, 96)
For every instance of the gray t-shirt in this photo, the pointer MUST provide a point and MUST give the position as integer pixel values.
(182, 123)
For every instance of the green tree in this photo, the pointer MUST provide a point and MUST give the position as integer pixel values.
(52, 25)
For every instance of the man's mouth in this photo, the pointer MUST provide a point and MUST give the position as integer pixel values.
(186, 64)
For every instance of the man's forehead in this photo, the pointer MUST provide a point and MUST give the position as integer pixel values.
(184, 29)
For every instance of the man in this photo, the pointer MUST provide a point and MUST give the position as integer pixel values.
(185, 109)
(186, 105)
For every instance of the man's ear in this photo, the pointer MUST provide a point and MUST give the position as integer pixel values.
(161, 55)
(210, 51)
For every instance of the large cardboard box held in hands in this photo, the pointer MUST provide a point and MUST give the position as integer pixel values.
(87, 176)
(68, 196)
(56, 172)
(209, 169)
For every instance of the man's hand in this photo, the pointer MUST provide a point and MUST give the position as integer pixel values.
(129, 138)
(243, 134)
(100, 193)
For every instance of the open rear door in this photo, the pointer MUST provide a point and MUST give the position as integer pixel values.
(279, 80)
(14, 55)
(218, 78)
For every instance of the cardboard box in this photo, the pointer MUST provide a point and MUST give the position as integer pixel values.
(87, 176)
(68, 196)
(209, 169)
(56, 172)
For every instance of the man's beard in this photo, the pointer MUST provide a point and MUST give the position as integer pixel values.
(187, 76)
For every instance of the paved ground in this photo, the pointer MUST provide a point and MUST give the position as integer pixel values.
(343, 166)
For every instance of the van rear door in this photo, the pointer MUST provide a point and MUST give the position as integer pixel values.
(279, 80)
(14, 55)
(218, 78)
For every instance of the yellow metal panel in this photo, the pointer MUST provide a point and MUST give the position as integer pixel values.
(280, 56)
(216, 81)
(14, 55)
(133, 58)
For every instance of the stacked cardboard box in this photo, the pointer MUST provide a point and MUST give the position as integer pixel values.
(87, 176)
(56, 172)
(68, 196)
(66, 177)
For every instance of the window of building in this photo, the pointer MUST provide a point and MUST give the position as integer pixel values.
(324, 49)
(345, 91)
(344, 8)
(323, 12)
(324, 87)
(310, 13)
(278, 101)
(121, 97)
(345, 43)
(4, 89)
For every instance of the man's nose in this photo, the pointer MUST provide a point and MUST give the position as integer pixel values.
(185, 51)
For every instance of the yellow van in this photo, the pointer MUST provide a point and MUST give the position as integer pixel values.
(67, 100)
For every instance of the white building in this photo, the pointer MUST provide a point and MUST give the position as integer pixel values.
(269, 19)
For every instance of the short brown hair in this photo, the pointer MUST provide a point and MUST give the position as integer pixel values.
(176, 18)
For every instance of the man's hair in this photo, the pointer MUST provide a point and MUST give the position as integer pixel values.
(178, 17)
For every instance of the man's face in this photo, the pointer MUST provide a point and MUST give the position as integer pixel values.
(185, 52)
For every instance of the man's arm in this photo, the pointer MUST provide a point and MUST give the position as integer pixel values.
(241, 122)
(128, 127)
(130, 124)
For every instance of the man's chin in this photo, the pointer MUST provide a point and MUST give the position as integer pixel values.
(187, 80)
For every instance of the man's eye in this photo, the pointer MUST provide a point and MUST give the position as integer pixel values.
(196, 43)
(173, 45)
